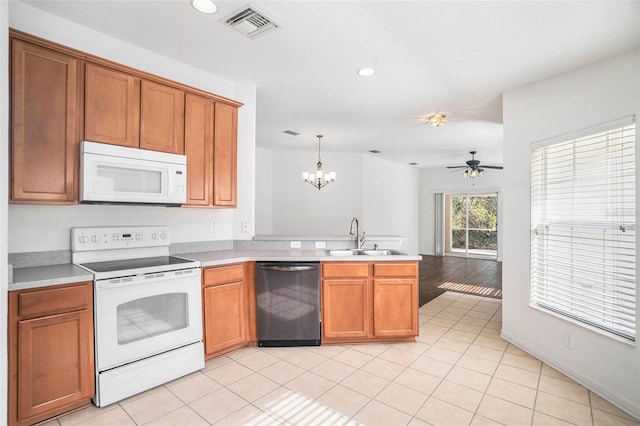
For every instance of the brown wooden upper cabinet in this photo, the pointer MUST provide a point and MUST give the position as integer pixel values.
(161, 118)
(61, 96)
(225, 155)
(112, 107)
(122, 109)
(45, 112)
(210, 146)
(198, 146)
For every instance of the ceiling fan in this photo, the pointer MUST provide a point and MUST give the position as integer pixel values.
(472, 167)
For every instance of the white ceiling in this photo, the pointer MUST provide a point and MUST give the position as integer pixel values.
(453, 57)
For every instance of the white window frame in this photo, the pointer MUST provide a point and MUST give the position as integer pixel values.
(583, 214)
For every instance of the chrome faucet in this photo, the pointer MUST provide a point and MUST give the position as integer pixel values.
(359, 241)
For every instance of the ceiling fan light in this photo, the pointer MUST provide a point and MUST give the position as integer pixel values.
(204, 6)
(466, 173)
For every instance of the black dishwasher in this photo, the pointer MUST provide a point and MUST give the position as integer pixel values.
(288, 303)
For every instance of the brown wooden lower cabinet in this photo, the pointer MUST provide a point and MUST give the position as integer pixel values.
(51, 361)
(224, 298)
(368, 301)
(346, 300)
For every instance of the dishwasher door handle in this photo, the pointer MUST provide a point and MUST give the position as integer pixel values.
(292, 268)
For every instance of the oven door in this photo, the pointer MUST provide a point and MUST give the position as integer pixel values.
(137, 317)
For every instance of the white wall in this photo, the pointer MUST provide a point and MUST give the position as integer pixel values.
(381, 194)
(4, 177)
(264, 191)
(39, 228)
(569, 102)
(390, 200)
(299, 209)
(246, 189)
(442, 180)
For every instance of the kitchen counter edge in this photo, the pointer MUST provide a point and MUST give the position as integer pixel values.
(42, 276)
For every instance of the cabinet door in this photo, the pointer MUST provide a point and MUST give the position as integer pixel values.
(198, 144)
(395, 307)
(45, 111)
(161, 118)
(224, 317)
(346, 308)
(112, 107)
(224, 156)
(55, 362)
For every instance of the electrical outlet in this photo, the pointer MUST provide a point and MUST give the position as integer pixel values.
(244, 226)
(320, 244)
(212, 226)
(296, 244)
(568, 340)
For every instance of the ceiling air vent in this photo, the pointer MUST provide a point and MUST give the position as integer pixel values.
(290, 132)
(250, 22)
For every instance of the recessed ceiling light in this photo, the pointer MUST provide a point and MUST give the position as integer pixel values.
(291, 132)
(413, 164)
(375, 151)
(204, 6)
(366, 72)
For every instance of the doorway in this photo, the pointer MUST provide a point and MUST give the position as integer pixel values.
(471, 225)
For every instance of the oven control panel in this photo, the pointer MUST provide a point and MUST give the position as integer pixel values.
(118, 237)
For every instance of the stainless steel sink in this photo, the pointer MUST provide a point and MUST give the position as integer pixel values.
(364, 252)
(341, 252)
(377, 252)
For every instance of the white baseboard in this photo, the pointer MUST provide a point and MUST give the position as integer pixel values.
(628, 406)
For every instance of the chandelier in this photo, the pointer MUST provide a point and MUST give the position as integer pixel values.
(319, 179)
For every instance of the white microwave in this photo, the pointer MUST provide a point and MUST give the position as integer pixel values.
(111, 174)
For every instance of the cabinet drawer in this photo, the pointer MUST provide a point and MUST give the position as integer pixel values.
(54, 300)
(336, 270)
(395, 269)
(223, 274)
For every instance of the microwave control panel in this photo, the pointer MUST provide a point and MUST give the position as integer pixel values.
(118, 237)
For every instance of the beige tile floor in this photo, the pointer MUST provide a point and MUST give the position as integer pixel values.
(460, 372)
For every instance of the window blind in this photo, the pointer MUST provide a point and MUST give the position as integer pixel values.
(583, 233)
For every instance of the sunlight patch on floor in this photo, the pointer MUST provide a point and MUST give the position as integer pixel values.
(294, 408)
(473, 289)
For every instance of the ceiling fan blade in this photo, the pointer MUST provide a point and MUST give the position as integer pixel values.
(492, 167)
(457, 167)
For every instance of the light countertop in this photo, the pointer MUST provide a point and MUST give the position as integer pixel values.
(42, 276)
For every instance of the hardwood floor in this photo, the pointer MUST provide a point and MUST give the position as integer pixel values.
(448, 273)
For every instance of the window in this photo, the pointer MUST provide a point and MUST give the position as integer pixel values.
(471, 225)
(583, 235)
